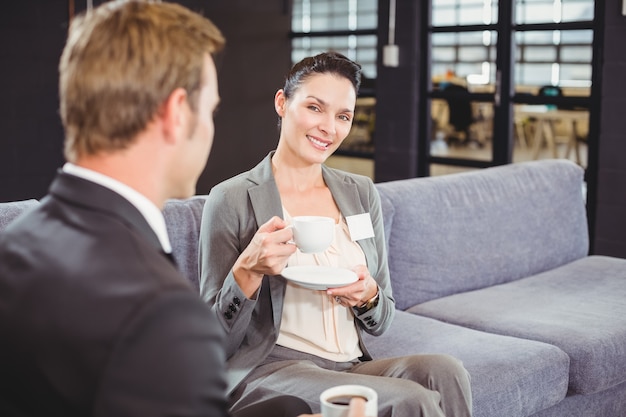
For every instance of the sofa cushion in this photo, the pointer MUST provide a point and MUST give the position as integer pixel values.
(578, 307)
(510, 377)
(11, 210)
(460, 232)
(182, 218)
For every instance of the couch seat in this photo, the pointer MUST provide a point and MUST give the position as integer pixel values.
(510, 377)
(579, 307)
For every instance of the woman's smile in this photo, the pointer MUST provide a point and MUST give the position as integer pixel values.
(318, 143)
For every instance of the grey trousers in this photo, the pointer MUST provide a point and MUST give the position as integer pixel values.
(410, 386)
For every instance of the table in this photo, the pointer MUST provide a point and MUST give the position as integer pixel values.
(544, 118)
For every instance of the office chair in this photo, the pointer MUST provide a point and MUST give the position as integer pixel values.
(460, 116)
(550, 91)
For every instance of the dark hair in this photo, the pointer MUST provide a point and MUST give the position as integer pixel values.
(324, 63)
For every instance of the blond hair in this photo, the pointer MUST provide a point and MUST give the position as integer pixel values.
(122, 60)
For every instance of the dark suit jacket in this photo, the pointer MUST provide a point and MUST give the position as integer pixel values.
(95, 320)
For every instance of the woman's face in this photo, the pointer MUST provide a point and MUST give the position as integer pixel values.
(317, 117)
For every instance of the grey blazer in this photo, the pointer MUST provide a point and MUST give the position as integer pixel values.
(233, 212)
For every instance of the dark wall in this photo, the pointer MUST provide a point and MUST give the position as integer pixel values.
(610, 202)
(396, 101)
(251, 69)
(32, 34)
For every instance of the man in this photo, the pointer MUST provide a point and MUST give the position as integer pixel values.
(95, 318)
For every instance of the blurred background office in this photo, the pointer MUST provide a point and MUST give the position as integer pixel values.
(450, 86)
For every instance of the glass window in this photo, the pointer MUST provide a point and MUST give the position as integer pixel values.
(319, 16)
(366, 14)
(546, 53)
(467, 56)
(443, 54)
(533, 74)
(576, 53)
(535, 37)
(576, 10)
(475, 38)
(446, 38)
(473, 53)
(362, 49)
(557, 57)
(553, 11)
(577, 36)
(464, 12)
(539, 53)
(575, 75)
(535, 11)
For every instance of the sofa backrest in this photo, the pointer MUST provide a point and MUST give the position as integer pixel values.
(182, 219)
(11, 210)
(461, 232)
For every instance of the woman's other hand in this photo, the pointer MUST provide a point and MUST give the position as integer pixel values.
(357, 293)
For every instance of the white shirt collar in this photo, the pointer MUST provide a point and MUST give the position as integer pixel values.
(150, 212)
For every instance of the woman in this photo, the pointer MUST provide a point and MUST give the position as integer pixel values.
(287, 339)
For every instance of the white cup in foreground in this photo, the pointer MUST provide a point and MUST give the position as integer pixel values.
(313, 234)
(335, 401)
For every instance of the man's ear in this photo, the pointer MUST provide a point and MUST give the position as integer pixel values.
(175, 113)
(280, 101)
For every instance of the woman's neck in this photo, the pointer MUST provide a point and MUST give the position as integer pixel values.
(290, 176)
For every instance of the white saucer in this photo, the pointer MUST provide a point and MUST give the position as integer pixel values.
(319, 277)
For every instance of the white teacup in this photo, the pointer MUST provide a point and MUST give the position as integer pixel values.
(335, 401)
(313, 234)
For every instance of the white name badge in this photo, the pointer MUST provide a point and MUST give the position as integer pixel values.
(360, 226)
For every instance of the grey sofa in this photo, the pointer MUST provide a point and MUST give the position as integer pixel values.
(492, 267)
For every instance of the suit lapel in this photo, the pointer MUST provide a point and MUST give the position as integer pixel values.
(263, 192)
(266, 201)
(345, 193)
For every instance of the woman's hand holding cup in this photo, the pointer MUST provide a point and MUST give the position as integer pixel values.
(266, 254)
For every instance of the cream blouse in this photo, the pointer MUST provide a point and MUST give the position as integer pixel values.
(312, 321)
